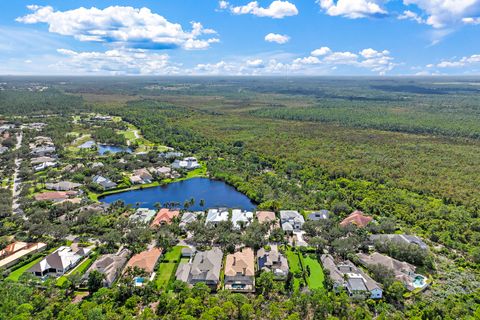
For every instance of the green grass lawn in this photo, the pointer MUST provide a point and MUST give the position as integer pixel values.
(80, 269)
(316, 278)
(174, 254)
(294, 265)
(164, 273)
(15, 275)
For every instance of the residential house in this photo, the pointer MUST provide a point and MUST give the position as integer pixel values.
(353, 279)
(216, 216)
(13, 252)
(266, 216)
(62, 186)
(241, 218)
(54, 196)
(43, 151)
(170, 155)
(143, 215)
(105, 183)
(291, 220)
(273, 261)
(146, 260)
(189, 163)
(189, 217)
(400, 238)
(3, 149)
(403, 271)
(60, 261)
(240, 271)
(39, 160)
(141, 176)
(110, 265)
(319, 215)
(357, 218)
(205, 267)
(44, 166)
(164, 216)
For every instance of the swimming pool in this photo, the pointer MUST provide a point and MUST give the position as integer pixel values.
(419, 281)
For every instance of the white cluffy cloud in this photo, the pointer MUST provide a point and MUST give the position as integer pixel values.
(278, 9)
(124, 26)
(410, 15)
(373, 60)
(353, 9)
(278, 38)
(459, 63)
(117, 61)
(446, 13)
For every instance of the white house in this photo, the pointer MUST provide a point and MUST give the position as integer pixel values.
(291, 220)
(240, 218)
(217, 215)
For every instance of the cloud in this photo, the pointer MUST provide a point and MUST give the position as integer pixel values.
(278, 9)
(321, 52)
(278, 38)
(471, 20)
(446, 13)
(373, 60)
(460, 63)
(122, 26)
(117, 61)
(353, 9)
(410, 15)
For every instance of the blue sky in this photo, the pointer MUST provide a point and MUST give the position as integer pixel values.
(238, 37)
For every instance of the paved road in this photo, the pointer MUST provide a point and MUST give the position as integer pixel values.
(16, 179)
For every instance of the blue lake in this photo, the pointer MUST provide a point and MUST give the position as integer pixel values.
(104, 148)
(214, 193)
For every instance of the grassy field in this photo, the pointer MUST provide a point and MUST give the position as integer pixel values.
(295, 266)
(316, 278)
(174, 254)
(164, 273)
(80, 269)
(15, 275)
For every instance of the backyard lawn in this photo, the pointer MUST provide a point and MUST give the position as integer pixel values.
(316, 278)
(164, 273)
(15, 275)
(174, 254)
(80, 269)
(294, 265)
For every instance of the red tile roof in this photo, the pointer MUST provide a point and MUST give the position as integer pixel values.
(145, 260)
(164, 216)
(53, 195)
(358, 218)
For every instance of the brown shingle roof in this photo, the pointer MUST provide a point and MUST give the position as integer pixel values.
(242, 262)
(358, 218)
(145, 260)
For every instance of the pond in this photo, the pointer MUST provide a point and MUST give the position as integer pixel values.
(215, 194)
(104, 148)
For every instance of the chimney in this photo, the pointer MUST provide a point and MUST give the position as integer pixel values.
(234, 260)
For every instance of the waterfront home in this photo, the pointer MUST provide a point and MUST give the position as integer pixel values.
(62, 186)
(357, 218)
(146, 261)
(15, 251)
(164, 216)
(319, 215)
(110, 265)
(400, 238)
(188, 163)
(170, 155)
(141, 176)
(240, 271)
(54, 196)
(143, 215)
(60, 261)
(241, 219)
(216, 216)
(265, 216)
(403, 271)
(105, 183)
(273, 261)
(189, 217)
(44, 165)
(353, 279)
(291, 220)
(205, 267)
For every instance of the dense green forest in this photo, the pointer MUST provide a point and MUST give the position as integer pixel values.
(405, 151)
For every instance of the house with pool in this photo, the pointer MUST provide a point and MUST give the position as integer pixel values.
(403, 271)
